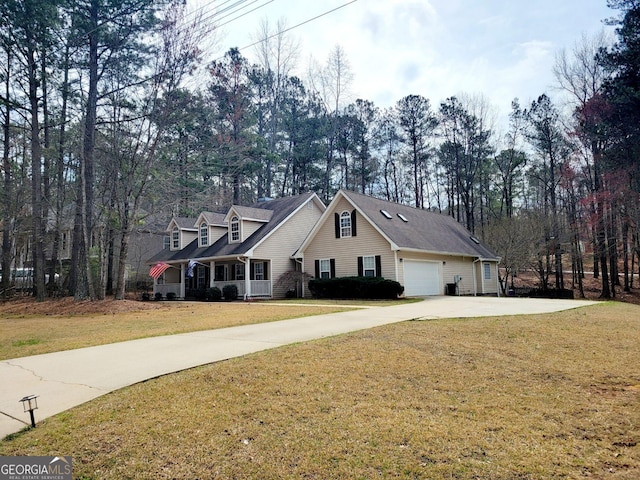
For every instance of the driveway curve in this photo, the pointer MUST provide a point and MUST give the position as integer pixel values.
(63, 380)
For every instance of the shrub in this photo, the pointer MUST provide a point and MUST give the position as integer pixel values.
(213, 294)
(551, 293)
(146, 296)
(230, 292)
(158, 296)
(355, 287)
(171, 295)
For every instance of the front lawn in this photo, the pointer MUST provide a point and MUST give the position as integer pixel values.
(526, 397)
(26, 330)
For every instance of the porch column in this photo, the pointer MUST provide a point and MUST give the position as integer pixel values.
(247, 278)
(212, 273)
(182, 286)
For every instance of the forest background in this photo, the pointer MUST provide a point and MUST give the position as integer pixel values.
(110, 115)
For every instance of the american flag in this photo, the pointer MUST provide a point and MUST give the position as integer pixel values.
(158, 269)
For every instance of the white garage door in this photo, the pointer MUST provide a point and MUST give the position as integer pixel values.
(421, 278)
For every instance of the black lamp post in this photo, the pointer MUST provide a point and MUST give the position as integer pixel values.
(30, 404)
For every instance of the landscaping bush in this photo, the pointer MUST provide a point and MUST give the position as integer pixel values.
(230, 292)
(564, 293)
(171, 296)
(213, 294)
(355, 287)
(158, 296)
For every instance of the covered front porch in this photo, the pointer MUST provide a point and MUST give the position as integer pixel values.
(251, 277)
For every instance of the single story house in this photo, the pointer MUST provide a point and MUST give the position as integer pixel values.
(249, 247)
(428, 253)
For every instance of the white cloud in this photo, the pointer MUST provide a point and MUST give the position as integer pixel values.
(438, 48)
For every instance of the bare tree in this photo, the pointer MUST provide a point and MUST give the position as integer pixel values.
(277, 53)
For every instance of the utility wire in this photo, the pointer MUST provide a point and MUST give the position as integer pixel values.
(298, 25)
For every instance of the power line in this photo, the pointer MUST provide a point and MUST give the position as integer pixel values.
(298, 25)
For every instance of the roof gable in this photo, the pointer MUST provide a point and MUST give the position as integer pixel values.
(277, 211)
(408, 228)
(182, 223)
(250, 213)
(211, 218)
(416, 229)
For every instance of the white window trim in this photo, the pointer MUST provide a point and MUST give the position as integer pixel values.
(327, 263)
(371, 268)
(235, 220)
(204, 239)
(200, 275)
(258, 271)
(345, 230)
(239, 271)
(486, 270)
(175, 239)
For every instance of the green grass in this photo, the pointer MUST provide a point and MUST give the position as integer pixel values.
(522, 397)
(33, 334)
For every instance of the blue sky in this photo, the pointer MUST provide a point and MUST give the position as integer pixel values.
(436, 48)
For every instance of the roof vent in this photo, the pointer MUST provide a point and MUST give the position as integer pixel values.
(403, 218)
(474, 240)
(386, 214)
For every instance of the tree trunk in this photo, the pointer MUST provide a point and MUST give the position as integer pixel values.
(7, 194)
(87, 164)
(36, 181)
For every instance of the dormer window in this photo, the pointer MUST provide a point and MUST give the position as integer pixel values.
(175, 239)
(235, 229)
(204, 234)
(345, 224)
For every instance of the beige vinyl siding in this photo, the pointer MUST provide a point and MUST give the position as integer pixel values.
(186, 238)
(283, 243)
(247, 227)
(215, 233)
(172, 275)
(489, 286)
(346, 251)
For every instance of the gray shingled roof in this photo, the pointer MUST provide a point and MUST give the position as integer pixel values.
(185, 222)
(423, 230)
(213, 218)
(276, 210)
(253, 213)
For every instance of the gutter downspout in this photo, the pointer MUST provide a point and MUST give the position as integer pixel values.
(395, 261)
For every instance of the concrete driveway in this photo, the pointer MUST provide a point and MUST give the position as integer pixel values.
(65, 379)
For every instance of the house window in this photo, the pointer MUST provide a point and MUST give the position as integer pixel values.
(175, 239)
(204, 234)
(239, 271)
(325, 268)
(487, 271)
(258, 271)
(201, 273)
(369, 266)
(235, 229)
(166, 242)
(345, 224)
(220, 273)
